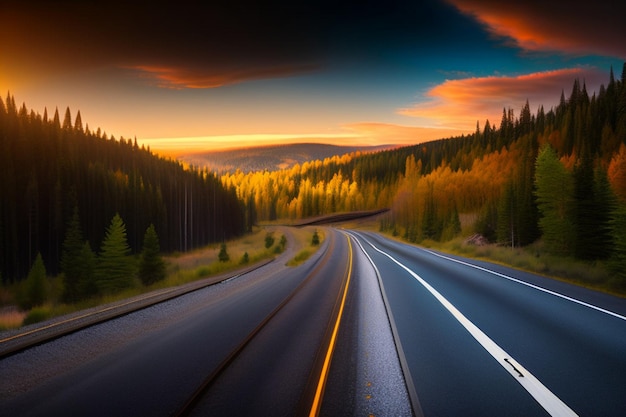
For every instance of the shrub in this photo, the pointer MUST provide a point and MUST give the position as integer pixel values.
(316, 239)
(223, 255)
(36, 315)
(245, 259)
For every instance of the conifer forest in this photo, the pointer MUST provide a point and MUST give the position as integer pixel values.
(555, 174)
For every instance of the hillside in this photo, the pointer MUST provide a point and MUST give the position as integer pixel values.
(271, 158)
(51, 168)
(491, 182)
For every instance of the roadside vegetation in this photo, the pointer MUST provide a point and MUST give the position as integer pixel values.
(315, 240)
(536, 259)
(40, 297)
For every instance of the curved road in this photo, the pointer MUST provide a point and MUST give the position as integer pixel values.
(149, 362)
(367, 326)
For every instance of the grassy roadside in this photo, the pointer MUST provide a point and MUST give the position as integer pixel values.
(533, 258)
(181, 269)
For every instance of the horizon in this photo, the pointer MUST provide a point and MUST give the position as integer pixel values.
(366, 75)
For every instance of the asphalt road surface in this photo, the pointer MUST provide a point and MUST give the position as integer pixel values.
(264, 341)
(367, 326)
(485, 340)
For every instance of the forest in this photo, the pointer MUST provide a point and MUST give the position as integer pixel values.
(558, 175)
(58, 178)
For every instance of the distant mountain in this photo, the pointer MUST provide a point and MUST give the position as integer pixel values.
(271, 158)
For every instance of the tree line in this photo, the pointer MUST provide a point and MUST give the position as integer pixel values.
(509, 182)
(51, 167)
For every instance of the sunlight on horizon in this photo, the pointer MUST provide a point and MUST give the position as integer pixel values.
(176, 146)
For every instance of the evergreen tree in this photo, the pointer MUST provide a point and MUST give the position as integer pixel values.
(244, 259)
(87, 266)
(554, 190)
(507, 216)
(151, 265)
(223, 255)
(78, 123)
(115, 266)
(67, 120)
(73, 247)
(316, 239)
(35, 293)
(605, 204)
(617, 262)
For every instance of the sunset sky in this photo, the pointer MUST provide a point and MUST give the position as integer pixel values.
(229, 73)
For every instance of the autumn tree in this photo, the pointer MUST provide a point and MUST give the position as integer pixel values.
(617, 172)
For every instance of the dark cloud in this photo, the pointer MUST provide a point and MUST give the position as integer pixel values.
(561, 26)
(218, 37)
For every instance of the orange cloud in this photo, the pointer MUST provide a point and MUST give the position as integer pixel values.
(460, 103)
(181, 78)
(539, 25)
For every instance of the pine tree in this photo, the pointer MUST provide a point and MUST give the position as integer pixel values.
(507, 216)
(67, 120)
(316, 239)
(244, 259)
(151, 265)
(70, 260)
(78, 123)
(554, 191)
(115, 267)
(223, 255)
(617, 262)
(35, 290)
(87, 267)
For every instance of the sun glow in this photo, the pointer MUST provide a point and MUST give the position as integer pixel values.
(178, 146)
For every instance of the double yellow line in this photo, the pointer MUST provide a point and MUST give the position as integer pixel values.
(319, 392)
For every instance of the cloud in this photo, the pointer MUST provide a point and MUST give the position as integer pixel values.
(538, 25)
(460, 103)
(180, 78)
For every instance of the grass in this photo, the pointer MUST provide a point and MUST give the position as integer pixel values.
(183, 268)
(302, 256)
(11, 318)
(304, 238)
(534, 258)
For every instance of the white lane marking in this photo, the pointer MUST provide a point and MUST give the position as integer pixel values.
(556, 294)
(546, 398)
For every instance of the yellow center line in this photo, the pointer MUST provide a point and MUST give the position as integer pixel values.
(317, 401)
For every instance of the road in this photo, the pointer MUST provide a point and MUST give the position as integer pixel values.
(259, 344)
(367, 326)
(485, 340)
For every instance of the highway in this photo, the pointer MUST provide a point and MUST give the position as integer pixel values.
(485, 340)
(367, 326)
